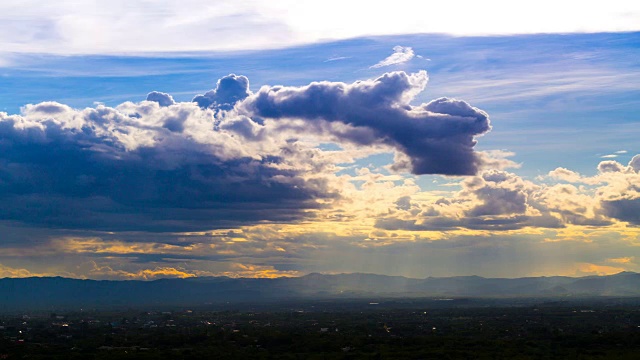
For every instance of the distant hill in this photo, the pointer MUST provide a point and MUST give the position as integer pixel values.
(57, 292)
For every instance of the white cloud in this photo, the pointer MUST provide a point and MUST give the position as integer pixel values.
(400, 55)
(497, 200)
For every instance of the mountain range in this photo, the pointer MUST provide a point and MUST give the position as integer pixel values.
(57, 292)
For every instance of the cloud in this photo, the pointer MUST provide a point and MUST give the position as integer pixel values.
(145, 167)
(337, 58)
(257, 271)
(610, 166)
(229, 90)
(634, 163)
(107, 272)
(228, 159)
(499, 201)
(497, 160)
(494, 200)
(572, 205)
(614, 155)
(161, 98)
(565, 175)
(400, 55)
(9, 272)
(500, 193)
(621, 260)
(616, 196)
(254, 167)
(236, 270)
(586, 269)
(77, 27)
(437, 137)
(623, 209)
(620, 197)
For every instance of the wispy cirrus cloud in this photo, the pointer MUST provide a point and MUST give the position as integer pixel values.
(400, 55)
(94, 27)
(540, 83)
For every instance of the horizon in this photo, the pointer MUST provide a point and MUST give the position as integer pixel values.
(325, 274)
(261, 140)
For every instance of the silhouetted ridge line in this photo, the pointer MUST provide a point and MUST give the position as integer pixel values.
(56, 292)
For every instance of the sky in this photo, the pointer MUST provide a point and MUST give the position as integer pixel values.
(143, 140)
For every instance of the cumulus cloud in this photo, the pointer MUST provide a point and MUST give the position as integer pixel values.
(572, 205)
(161, 98)
(497, 200)
(494, 200)
(610, 166)
(497, 159)
(229, 90)
(400, 55)
(233, 158)
(623, 209)
(143, 167)
(437, 137)
(616, 193)
(227, 159)
(620, 197)
(635, 163)
(565, 175)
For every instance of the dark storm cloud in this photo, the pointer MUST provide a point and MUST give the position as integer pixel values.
(229, 90)
(624, 209)
(438, 137)
(78, 169)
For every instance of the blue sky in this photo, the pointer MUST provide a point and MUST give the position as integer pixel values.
(327, 151)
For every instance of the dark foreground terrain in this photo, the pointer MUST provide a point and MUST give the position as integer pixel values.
(345, 329)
